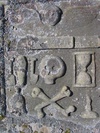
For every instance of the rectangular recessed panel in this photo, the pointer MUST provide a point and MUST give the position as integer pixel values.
(84, 69)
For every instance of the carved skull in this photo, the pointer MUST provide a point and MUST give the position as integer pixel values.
(51, 68)
(51, 14)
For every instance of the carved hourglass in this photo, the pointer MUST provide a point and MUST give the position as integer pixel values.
(84, 69)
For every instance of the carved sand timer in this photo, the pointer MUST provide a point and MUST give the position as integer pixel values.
(83, 61)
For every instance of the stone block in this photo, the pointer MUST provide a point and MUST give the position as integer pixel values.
(50, 67)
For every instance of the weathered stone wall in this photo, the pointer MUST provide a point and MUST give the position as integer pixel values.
(49, 66)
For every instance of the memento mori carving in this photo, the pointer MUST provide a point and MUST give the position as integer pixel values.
(21, 70)
(84, 69)
(17, 103)
(88, 113)
(65, 92)
(51, 20)
(50, 14)
(51, 68)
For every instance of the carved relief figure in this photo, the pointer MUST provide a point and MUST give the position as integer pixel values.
(17, 103)
(50, 14)
(84, 75)
(21, 70)
(51, 68)
(88, 113)
(65, 92)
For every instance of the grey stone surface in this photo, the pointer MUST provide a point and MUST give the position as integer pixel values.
(87, 42)
(49, 66)
(74, 21)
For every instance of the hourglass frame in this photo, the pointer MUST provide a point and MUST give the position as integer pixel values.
(89, 69)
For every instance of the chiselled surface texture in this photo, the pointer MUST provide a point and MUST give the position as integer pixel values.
(49, 66)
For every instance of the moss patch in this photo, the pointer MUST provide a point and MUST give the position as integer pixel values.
(25, 126)
(1, 117)
(22, 132)
(36, 132)
(68, 131)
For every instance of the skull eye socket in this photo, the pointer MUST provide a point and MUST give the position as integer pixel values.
(34, 92)
(51, 68)
(54, 68)
(53, 65)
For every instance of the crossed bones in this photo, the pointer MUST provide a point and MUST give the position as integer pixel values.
(65, 92)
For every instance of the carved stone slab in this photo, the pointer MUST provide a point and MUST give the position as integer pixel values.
(51, 60)
(46, 73)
